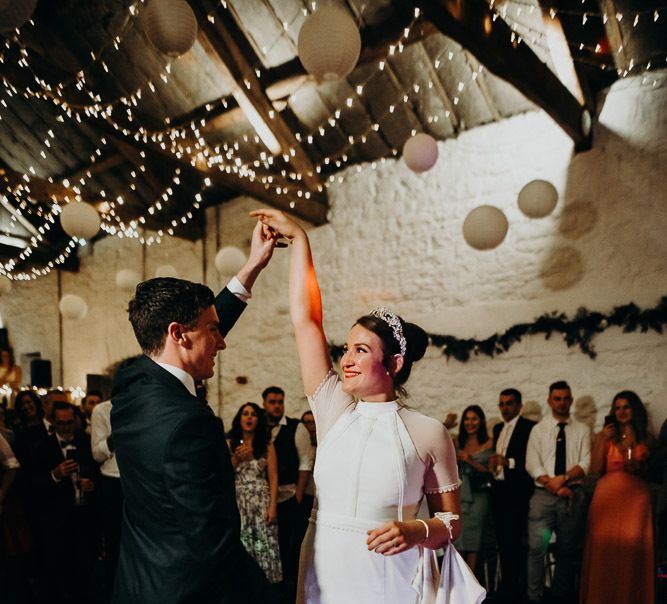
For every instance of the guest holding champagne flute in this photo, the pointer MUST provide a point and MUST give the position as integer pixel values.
(618, 554)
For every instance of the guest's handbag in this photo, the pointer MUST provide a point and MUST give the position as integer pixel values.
(458, 584)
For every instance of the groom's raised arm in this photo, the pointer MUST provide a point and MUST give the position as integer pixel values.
(232, 300)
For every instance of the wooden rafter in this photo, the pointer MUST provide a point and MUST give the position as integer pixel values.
(472, 25)
(238, 56)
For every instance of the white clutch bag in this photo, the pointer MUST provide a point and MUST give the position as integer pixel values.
(458, 584)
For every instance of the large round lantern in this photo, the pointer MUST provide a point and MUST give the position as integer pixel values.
(537, 199)
(166, 270)
(170, 25)
(229, 260)
(73, 307)
(80, 220)
(5, 285)
(485, 227)
(14, 13)
(329, 43)
(420, 152)
(127, 279)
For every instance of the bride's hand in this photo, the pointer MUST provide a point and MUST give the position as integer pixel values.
(278, 222)
(395, 537)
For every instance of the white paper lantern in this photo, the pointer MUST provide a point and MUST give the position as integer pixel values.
(229, 260)
(80, 220)
(127, 279)
(14, 13)
(420, 152)
(485, 227)
(538, 199)
(166, 270)
(329, 43)
(5, 285)
(170, 25)
(73, 307)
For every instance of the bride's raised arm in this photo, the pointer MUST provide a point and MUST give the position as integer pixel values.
(305, 300)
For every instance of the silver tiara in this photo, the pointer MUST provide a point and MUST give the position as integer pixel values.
(391, 319)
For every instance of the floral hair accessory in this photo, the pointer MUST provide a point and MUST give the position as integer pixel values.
(391, 319)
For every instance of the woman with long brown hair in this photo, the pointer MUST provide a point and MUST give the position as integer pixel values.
(618, 555)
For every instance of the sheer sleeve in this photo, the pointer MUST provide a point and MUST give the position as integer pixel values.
(328, 403)
(435, 448)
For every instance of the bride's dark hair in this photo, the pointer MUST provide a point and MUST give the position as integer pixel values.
(416, 342)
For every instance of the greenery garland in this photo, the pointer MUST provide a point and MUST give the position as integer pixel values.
(578, 331)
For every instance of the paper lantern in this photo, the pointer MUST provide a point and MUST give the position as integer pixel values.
(166, 270)
(485, 227)
(127, 279)
(229, 260)
(329, 43)
(170, 25)
(80, 220)
(14, 13)
(5, 285)
(73, 307)
(538, 199)
(420, 152)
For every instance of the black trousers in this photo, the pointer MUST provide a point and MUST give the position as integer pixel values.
(111, 503)
(510, 516)
(291, 531)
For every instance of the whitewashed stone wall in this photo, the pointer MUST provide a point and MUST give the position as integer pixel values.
(394, 238)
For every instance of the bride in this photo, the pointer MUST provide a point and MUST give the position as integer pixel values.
(376, 458)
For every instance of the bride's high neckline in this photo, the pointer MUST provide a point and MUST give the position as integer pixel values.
(373, 409)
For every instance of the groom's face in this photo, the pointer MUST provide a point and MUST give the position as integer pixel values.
(204, 342)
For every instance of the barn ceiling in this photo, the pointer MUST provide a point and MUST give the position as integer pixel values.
(90, 110)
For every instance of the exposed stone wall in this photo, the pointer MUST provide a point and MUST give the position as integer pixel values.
(394, 238)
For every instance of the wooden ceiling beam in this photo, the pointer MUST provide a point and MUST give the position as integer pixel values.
(237, 54)
(471, 24)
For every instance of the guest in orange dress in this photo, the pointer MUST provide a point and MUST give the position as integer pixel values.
(618, 564)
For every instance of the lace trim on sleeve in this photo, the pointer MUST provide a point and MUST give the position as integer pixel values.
(329, 374)
(446, 489)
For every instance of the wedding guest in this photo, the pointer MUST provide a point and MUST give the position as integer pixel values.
(256, 481)
(295, 466)
(473, 450)
(557, 458)
(510, 493)
(618, 564)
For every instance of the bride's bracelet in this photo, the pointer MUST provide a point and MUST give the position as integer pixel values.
(446, 518)
(425, 526)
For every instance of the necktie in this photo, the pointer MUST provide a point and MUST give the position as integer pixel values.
(560, 450)
(66, 443)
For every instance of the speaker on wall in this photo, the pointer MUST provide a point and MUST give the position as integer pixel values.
(101, 383)
(40, 373)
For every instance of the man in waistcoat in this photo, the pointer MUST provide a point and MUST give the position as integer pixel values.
(511, 492)
(295, 464)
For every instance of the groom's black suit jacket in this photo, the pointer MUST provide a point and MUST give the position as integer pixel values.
(180, 536)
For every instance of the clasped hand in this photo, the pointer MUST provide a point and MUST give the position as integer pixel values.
(67, 467)
(244, 452)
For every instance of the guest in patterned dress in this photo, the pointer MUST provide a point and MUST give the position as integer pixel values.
(256, 469)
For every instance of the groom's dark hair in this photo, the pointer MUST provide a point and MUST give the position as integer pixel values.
(161, 301)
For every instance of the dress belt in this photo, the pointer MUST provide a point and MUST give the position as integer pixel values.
(346, 523)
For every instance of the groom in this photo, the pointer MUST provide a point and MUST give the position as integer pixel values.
(180, 537)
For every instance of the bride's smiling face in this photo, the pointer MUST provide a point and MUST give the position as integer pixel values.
(364, 373)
